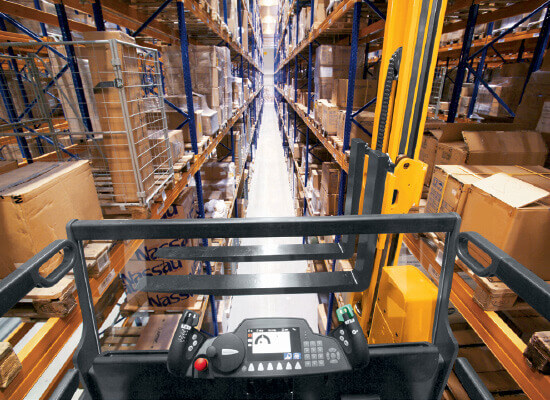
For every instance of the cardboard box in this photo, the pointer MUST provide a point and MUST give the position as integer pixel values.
(494, 147)
(213, 171)
(209, 122)
(146, 263)
(515, 216)
(428, 150)
(329, 203)
(451, 183)
(160, 150)
(36, 202)
(7, 166)
(330, 177)
(340, 92)
(185, 128)
(330, 118)
(536, 93)
(316, 179)
(514, 69)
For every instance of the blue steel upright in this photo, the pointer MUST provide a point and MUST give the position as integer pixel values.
(463, 62)
(184, 46)
(73, 65)
(347, 132)
(309, 81)
(98, 15)
(480, 68)
(542, 44)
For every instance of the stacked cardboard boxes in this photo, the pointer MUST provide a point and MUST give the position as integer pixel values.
(481, 144)
(508, 205)
(330, 177)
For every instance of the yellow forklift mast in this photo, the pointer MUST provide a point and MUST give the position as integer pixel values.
(400, 302)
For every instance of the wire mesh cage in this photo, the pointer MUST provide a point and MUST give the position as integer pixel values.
(99, 100)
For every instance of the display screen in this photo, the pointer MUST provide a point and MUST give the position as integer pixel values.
(274, 344)
(271, 342)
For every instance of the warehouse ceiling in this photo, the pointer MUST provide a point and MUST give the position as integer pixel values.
(268, 12)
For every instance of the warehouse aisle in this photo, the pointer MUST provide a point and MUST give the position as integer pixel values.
(270, 196)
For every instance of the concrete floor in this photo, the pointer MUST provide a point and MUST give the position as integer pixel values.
(270, 196)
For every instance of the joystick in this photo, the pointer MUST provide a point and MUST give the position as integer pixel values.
(351, 337)
(185, 344)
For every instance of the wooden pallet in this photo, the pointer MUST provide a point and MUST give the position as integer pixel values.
(489, 293)
(43, 303)
(183, 164)
(120, 338)
(202, 145)
(158, 333)
(97, 257)
(129, 308)
(10, 365)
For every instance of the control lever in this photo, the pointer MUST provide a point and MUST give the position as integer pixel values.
(351, 337)
(185, 344)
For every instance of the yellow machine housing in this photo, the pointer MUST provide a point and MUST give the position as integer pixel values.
(405, 311)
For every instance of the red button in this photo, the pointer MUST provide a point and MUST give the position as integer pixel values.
(201, 364)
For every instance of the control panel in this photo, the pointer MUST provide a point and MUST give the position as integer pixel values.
(266, 348)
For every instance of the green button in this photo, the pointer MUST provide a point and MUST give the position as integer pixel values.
(344, 310)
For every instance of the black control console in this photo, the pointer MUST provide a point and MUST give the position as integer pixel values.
(267, 348)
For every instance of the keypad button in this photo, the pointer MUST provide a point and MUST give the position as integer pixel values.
(333, 356)
(306, 343)
(319, 350)
(308, 363)
(321, 363)
(314, 364)
(332, 349)
(307, 356)
(334, 361)
(313, 343)
(314, 356)
(338, 355)
(319, 343)
(306, 350)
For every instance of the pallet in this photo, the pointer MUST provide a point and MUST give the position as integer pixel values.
(120, 338)
(125, 212)
(183, 164)
(489, 293)
(537, 352)
(202, 145)
(129, 308)
(10, 365)
(158, 333)
(97, 257)
(43, 303)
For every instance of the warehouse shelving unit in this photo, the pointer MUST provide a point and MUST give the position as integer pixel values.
(151, 23)
(466, 55)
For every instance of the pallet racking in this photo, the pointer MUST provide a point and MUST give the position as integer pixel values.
(151, 23)
(467, 56)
